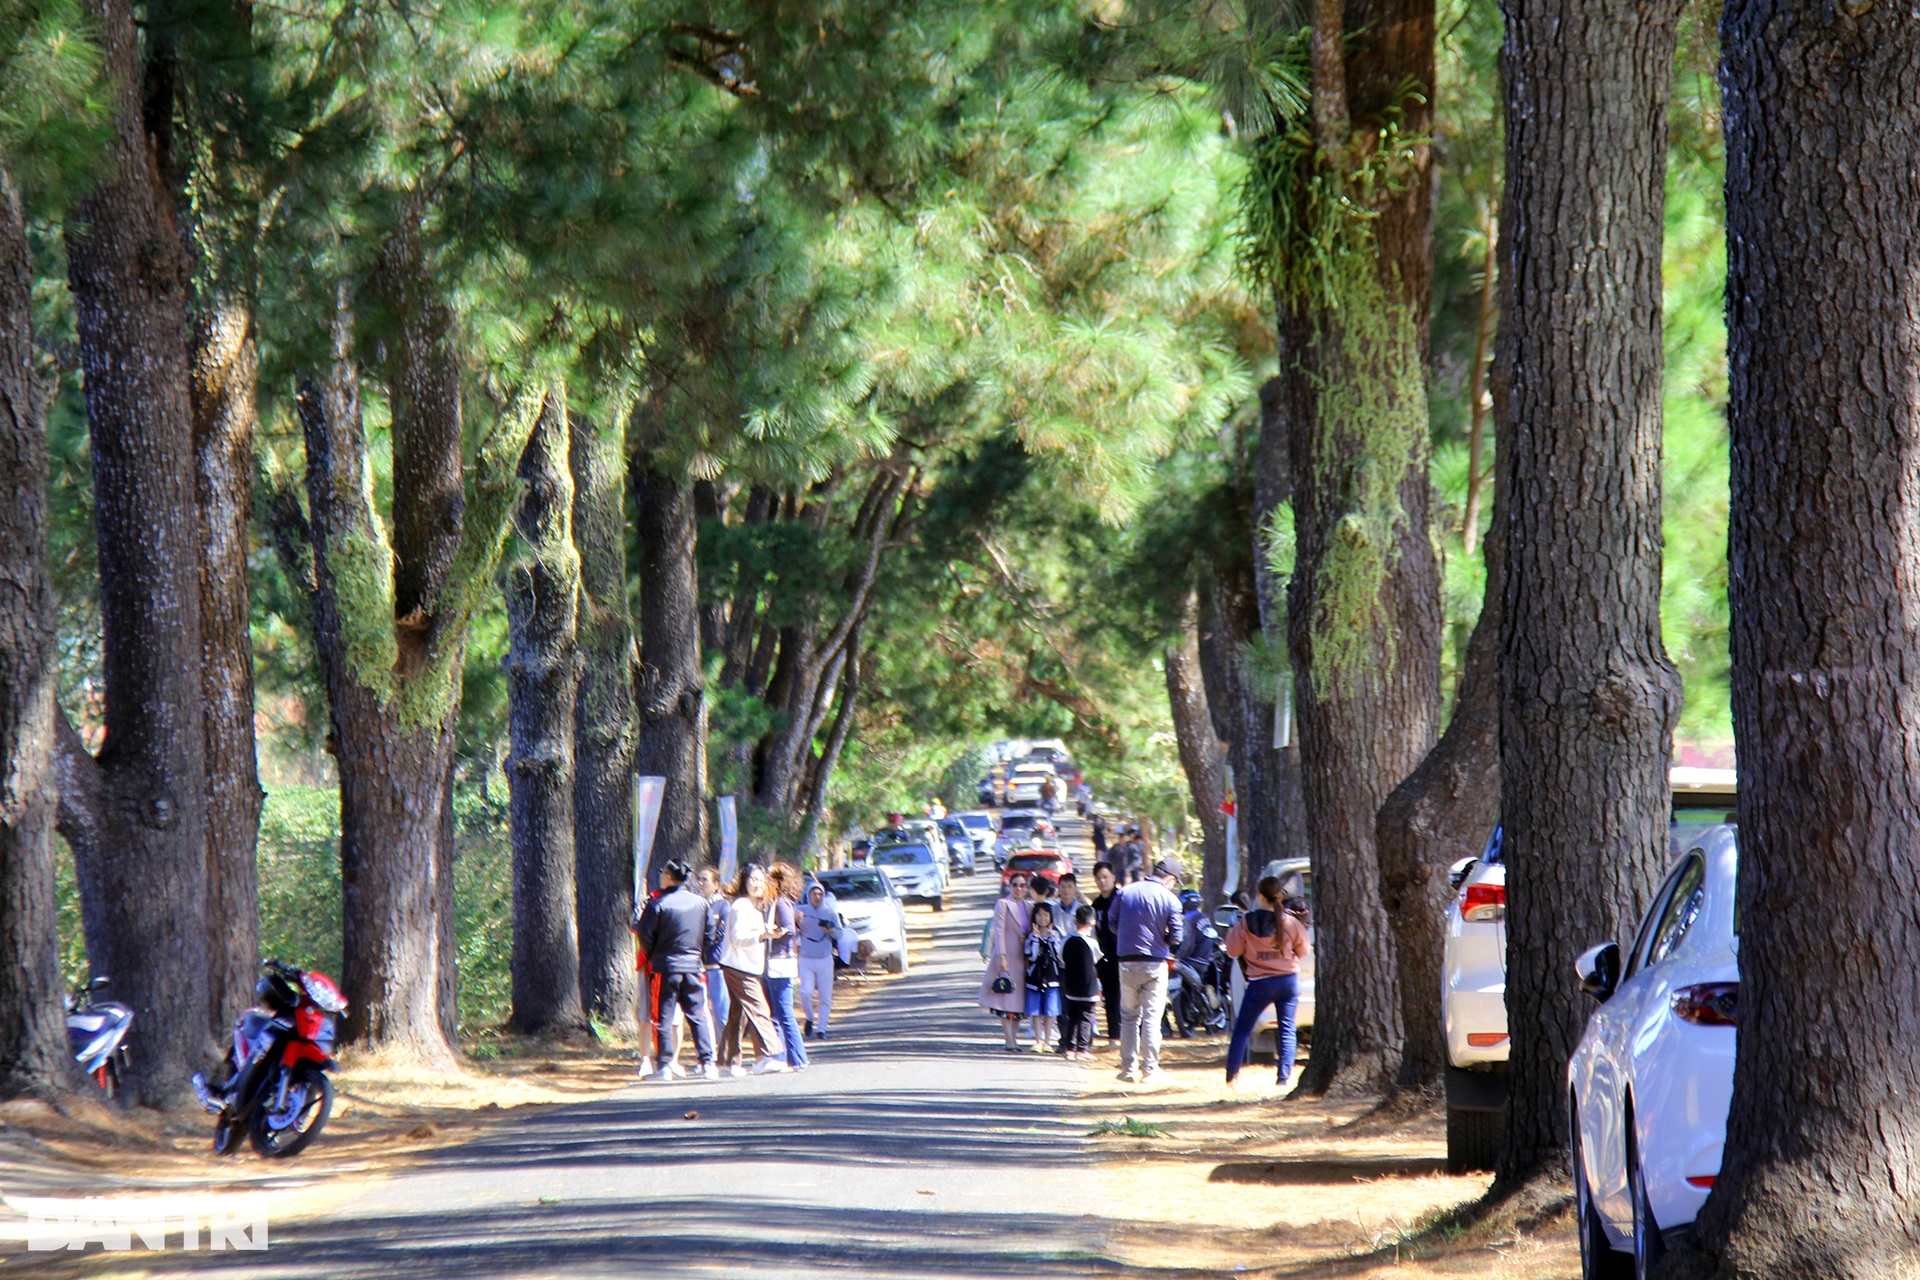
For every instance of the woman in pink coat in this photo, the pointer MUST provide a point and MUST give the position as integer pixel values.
(1007, 958)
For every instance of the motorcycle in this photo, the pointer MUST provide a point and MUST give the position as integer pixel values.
(277, 1088)
(97, 1034)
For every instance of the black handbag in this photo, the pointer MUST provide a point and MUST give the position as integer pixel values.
(1003, 985)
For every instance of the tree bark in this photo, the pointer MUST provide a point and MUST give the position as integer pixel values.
(33, 1041)
(1821, 1177)
(1364, 603)
(1444, 811)
(669, 691)
(542, 588)
(393, 689)
(836, 741)
(1588, 698)
(1201, 758)
(603, 734)
(224, 369)
(144, 878)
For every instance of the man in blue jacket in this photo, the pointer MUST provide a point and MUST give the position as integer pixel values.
(1146, 921)
(673, 932)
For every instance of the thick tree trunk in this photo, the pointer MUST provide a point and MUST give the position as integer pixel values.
(144, 882)
(603, 734)
(392, 759)
(33, 1039)
(224, 368)
(1443, 812)
(669, 691)
(1201, 758)
(1588, 697)
(542, 587)
(1364, 608)
(1821, 1177)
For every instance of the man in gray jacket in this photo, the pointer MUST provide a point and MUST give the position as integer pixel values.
(1146, 921)
(672, 933)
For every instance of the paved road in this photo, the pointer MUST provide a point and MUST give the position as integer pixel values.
(915, 1146)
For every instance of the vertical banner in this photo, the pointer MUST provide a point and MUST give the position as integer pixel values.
(646, 820)
(1231, 807)
(729, 839)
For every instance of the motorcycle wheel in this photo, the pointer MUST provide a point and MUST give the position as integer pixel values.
(305, 1114)
(226, 1138)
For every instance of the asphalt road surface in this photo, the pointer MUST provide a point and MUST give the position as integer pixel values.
(914, 1146)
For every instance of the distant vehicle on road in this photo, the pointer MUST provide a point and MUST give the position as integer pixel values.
(916, 873)
(1652, 1076)
(960, 845)
(866, 903)
(1045, 865)
(1017, 829)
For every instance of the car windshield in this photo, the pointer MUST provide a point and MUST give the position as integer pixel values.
(1015, 825)
(854, 888)
(978, 821)
(1033, 862)
(902, 855)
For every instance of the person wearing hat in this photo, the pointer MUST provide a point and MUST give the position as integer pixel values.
(1148, 929)
(672, 934)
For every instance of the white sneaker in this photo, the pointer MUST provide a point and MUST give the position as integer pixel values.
(1126, 1074)
(663, 1076)
(675, 1070)
(646, 1068)
(1155, 1076)
(709, 1072)
(770, 1067)
(736, 1071)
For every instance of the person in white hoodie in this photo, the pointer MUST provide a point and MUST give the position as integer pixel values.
(743, 962)
(819, 931)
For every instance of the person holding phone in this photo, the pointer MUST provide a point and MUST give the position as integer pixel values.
(819, 935)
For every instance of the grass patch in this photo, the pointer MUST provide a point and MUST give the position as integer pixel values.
(1127, 1127)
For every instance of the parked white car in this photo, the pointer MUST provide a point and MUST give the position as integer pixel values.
(1473, 990)
(1653, 1074)
(914, 870)
(867, 904)
(1023, 784)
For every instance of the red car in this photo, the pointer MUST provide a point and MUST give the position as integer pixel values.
(1043, 864)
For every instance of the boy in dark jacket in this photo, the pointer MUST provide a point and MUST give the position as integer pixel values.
(1079, 986)
(673, 933)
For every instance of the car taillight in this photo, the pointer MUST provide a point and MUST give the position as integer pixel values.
(1707, 1004)
(1484, 902)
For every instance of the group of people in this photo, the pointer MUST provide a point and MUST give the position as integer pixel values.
(1051, 962)
(753, 960)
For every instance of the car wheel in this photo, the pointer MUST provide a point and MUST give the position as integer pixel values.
(1648, 1247)
(939, 903)
(1599, 1260)
(1473, 1139)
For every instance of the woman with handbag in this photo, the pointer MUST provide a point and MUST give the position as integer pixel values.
(743, 962)
(1003, 988)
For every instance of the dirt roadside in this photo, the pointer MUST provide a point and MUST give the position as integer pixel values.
(1243, 1182)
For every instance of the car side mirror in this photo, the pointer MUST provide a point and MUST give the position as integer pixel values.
(1458, 871)
(1599, 970)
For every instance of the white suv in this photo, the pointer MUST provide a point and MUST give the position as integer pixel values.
(1473, 1004)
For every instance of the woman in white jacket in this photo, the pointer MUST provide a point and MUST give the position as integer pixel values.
(743, 962)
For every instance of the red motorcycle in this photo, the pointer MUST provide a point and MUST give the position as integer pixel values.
(277, 1087)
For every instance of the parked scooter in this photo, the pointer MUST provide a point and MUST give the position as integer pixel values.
(97, 1034)
(277, 1087)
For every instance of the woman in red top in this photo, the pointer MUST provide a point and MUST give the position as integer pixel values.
(1270, 943)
